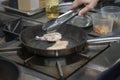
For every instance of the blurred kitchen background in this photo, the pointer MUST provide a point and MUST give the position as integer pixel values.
(14, 20)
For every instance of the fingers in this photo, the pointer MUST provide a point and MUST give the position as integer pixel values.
(89, 4)
(75, 4)
(84, 10)
(87, 8)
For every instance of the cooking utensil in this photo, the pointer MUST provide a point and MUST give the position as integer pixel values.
(63, 7)
(76, 37)
(54, 24)
(9, 70)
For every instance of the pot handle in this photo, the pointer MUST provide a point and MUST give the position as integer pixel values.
(103, 40)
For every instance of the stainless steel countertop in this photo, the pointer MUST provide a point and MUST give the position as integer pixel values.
(93, 69)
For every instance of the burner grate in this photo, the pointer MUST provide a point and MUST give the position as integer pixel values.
(60, 67)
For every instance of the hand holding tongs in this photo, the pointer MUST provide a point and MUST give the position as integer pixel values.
(54, 24)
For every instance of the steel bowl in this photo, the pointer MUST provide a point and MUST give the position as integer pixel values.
(82, 21)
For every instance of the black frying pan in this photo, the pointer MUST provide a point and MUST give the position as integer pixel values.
(76, 37)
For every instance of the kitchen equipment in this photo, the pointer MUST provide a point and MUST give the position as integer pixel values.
(69, 33)
(9, 70)
(75, 36)
(13, 26)
(9, 49)
(111, 73)
(63, 7)
(33, 69)
(83, 21)
(5, 5)
(55, 23)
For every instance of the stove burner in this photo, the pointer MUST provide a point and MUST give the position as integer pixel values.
(57, 67)
(30, 58)
(13, 26)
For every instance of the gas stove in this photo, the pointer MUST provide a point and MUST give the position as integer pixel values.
(35, 67)
(58, 68)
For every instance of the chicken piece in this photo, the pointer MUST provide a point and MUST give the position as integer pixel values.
(53, 36)
(58, 45)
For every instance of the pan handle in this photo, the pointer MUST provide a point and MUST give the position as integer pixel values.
(103, 40)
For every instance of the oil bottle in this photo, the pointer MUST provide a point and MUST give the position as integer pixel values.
(52, 8)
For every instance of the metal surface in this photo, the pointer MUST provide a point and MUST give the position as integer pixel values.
(64, 6)
(103, 40)
(4, 4)
(95, 67)
(75, 37)
(60, 20)
(27, 73)
(112, 73)
(83, 21)
(36, 62)
(9, 49)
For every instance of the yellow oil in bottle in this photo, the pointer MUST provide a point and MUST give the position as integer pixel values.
(52, 8)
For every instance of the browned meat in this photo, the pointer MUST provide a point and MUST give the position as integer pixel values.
(53, 36)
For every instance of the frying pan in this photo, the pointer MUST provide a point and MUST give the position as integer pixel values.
(76, 37)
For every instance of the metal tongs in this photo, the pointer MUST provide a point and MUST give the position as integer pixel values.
(54, 24)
